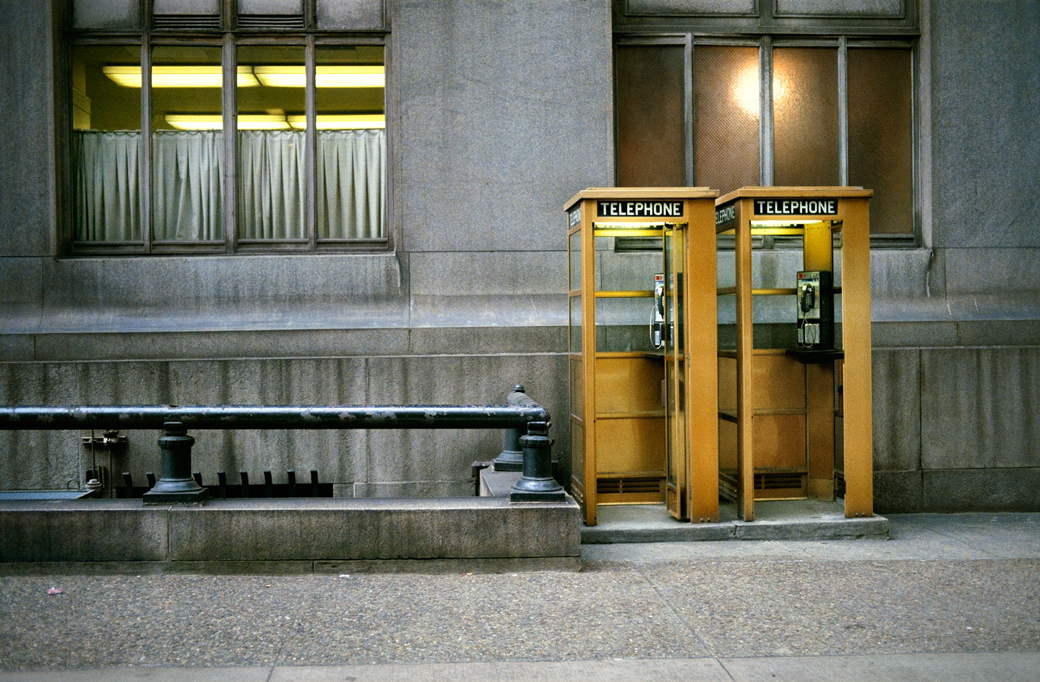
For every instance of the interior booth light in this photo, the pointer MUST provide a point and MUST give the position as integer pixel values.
(179, 76)
(324, 76)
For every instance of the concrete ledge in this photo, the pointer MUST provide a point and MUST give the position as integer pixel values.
(330, 534)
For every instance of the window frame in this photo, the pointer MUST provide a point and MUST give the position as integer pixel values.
(229, 38)
(767, 29)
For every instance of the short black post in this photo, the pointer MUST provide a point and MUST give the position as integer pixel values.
(291, 476)
(314, 482)
(222, 484)
(176, 485)
(512, 457)
(268, 484)
(537, 484)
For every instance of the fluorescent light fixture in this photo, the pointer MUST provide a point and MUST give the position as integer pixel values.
(324, 76)
(179, 76)
(341, 121)
(216, 121)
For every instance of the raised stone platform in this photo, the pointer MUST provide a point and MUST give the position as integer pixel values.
(310, 534)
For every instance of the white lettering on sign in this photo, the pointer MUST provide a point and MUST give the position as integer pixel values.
(574, 217)
(796, 207)
(725, 214)
(640, 209)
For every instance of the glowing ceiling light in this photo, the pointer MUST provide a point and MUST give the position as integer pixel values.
(179, 76)
(324, 76)
(341, 121)
(216, 121)
(745, 90)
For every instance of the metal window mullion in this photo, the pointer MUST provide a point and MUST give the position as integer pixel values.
(688, 110)
(145, 169)
(843, 112)
(765, 103)
(229, 191)
(311, 146)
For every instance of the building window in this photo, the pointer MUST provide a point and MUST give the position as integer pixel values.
(190, 137)
(812, 111)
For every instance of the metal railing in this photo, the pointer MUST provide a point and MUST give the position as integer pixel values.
(177, 485)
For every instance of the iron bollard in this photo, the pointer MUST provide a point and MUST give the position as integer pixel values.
(176, 485)
(537, 484)
(512, 457)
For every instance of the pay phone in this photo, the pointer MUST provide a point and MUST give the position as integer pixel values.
(815, 309)
(657, 314)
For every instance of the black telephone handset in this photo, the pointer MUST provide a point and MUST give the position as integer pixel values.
(808, 300)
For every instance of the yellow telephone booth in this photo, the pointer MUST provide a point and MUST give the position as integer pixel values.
(795, 404)
(643, 349)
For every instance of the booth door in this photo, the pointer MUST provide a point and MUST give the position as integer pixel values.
(674, 373)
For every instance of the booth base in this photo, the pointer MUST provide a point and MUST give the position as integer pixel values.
(775, 520)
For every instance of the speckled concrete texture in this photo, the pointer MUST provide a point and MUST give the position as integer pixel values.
(944, 591)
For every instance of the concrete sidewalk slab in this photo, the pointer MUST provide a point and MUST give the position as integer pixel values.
(862, 609)
(982, 667)
(979, 667)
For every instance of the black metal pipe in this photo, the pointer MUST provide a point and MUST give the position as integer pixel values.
(274, 417)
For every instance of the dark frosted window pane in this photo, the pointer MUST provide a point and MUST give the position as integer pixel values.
(805, 116)
(108, 14)
(880, 135)
(650, 130)
(726, 96)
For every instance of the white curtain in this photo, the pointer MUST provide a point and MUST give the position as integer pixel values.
(105, 168)
(186, 194)
(271, 184)
(351, 183)
(186, 170)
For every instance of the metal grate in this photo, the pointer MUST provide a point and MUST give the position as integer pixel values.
(788, 482)
(222, 489)
(185, 22)
(774, 481)
(618, 486)
(267, 21)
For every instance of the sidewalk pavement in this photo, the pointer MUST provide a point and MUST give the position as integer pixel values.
(951, 597)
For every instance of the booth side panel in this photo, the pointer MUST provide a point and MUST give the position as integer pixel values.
(858, 428)
(702, 352)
